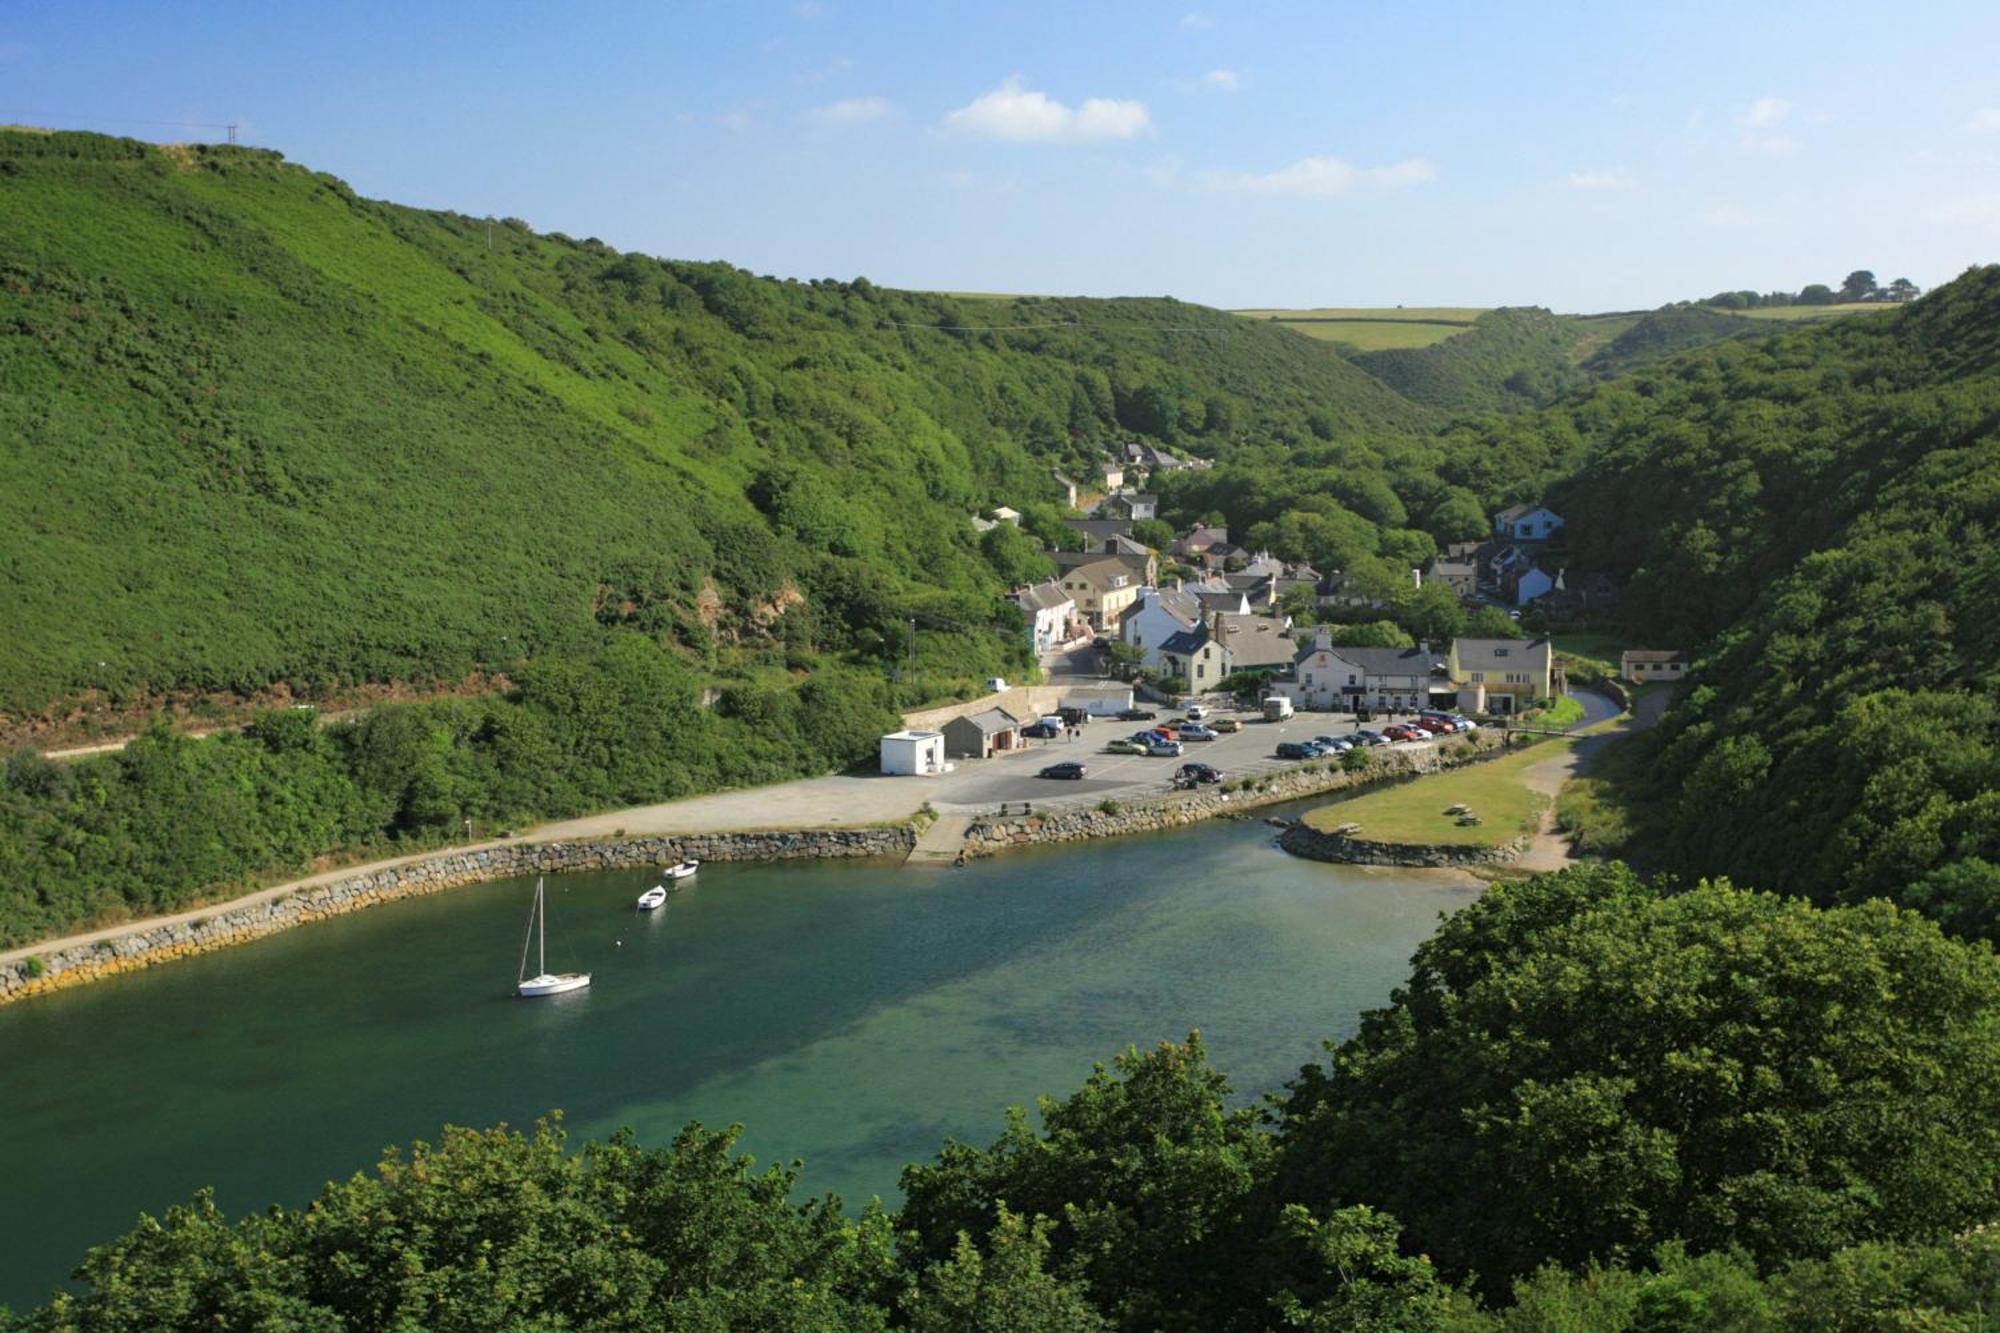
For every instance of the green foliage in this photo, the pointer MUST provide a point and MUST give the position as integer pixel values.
(1373, 634)
(1818, 510)
(259, 430)
(171, 819)
(495, 1229)
(1665, 333)
(1581, 1068)
(1148, 1176)
(1509, 360)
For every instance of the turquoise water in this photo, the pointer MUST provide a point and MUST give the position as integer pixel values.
(852, 1015)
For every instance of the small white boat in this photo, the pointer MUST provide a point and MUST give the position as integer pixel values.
(653, 897)
(681, 871)
(544, 982)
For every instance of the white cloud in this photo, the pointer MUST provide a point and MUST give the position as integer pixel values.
(1222, 80)
(1321, 177)
(1758, 126)
(1766, 112)
(1986, 120)
(1601, 180)
(1196, 21)
(850, 111)
(738, 120)
(1021, 115)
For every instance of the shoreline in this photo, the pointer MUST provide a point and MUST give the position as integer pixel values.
(51, 965)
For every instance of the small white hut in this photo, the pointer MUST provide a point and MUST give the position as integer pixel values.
(913, 753)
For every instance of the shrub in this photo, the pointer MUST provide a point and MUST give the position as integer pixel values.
(1109, 806)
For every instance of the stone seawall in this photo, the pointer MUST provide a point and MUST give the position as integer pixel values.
(991, 834)
(144, 945)
(1314, 845)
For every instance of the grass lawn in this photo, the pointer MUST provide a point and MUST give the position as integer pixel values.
(1414, 811)
(1808, 312)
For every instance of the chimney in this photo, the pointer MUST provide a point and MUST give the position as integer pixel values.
(1322, 637)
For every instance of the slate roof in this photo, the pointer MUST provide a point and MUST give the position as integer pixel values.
(1186, 643)
(1503, 654)
(1417, 661)
(1256, 641)
(1042, 597)
(1654, 655)
(992, 721)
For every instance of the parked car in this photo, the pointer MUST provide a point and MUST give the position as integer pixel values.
(1201, 773)
(1464, 723)
(1427, 728)
(1125, 745)
(1296, 750)
(1165, 749)
(1042, 730)
(1195, 731)
(1337, 744)
(1137, 715)
(1195, 712)
(1227, 724)
(1398, 732)
(1069, 769)
(1369, 738)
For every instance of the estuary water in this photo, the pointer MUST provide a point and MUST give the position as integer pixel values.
(853, 1015)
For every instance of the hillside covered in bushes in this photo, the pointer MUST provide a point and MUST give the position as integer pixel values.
(262, 432)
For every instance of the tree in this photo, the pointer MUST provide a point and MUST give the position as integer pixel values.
(1432, 614)
(1728, 1067)
(1373, 634)
(1902, 289)
(1858, 286)
(1147, 1173)
(1014, 555)
(1816, 293)
(1154, 532)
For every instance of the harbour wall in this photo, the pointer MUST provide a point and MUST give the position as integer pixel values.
(147, 944)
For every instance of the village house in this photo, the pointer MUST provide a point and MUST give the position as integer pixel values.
(1192, 660)
(1067, 487)
(1640, 665)
(1197, 660)
(1158, 615)
(982, 735)
(1461, 576)
(1197, 541)
(1131, 505)
(1103, 589)
(1051, 611)
(1528, 584)
(1113, 474)
(1004, 514)
(1580, 598)
(1343, 678)
(1502, 676)
(1143, 564)
(1526, 523)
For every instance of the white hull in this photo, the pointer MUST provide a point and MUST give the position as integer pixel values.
(681, 871)
(554, 983)
(652, 898)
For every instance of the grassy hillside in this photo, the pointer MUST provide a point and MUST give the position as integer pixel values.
(1813, 515)
(261, 431)
(1363, 330)
(1663, 333)
(1509, 360)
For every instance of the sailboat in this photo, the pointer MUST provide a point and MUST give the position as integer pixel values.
(544, 982)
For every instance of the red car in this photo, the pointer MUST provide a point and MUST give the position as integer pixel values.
(1400, 732)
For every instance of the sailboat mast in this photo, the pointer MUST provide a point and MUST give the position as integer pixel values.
(541, 931)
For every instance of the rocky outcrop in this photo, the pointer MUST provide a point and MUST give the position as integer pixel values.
(144, 945)
(1315, 845)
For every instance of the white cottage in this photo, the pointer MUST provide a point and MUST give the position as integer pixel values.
(913, 753)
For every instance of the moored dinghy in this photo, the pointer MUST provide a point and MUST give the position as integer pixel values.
(544, 982)
(653, 897)
(681, 871)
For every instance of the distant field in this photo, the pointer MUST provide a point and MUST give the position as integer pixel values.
(1814, 311)
(1372, 330)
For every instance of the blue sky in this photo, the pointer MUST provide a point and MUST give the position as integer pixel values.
(1584, 157)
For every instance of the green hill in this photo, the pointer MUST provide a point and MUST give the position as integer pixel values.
(1664, 333)
(261, 431)
(1510, 360)
(1815, 516)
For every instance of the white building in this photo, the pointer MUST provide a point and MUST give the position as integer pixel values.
(913, 753)
(1526, 523)
(1050, 611)
(1158, 615)
(1532, 584)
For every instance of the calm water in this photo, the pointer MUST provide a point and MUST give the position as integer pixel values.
(852, 1015)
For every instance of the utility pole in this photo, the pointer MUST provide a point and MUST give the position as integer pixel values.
(913, 647)
(232, 133)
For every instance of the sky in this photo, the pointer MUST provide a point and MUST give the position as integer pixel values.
(1578, 156)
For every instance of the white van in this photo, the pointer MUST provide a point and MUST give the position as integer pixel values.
(1277, 708)
(1195, 712)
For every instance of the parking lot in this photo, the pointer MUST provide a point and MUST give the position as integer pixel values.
(979, 786)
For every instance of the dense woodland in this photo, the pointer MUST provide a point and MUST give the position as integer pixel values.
(271, 439)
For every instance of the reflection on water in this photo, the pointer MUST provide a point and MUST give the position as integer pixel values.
(851, 1015)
